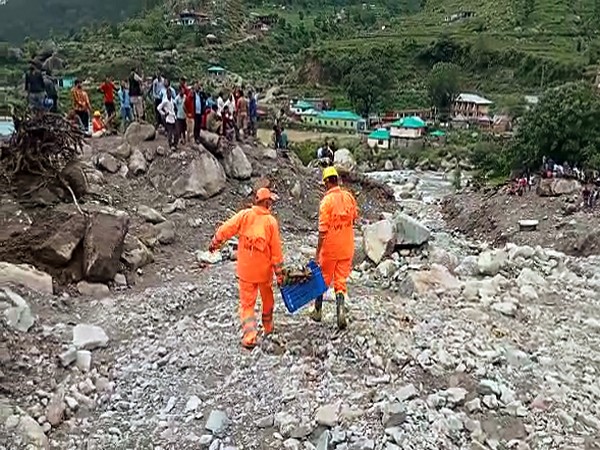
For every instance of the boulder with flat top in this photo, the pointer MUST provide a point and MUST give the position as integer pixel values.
(203, 177)
(103, 245)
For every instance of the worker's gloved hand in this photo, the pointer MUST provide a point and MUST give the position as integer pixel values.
(279, 278)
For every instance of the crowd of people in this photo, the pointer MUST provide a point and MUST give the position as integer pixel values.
(181, 111)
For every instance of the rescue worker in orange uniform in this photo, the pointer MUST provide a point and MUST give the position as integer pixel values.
(338, 212)
(259, 256)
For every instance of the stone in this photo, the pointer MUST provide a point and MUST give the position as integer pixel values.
(473, 405)
(467, 267)
(177, 205)
(442, 257)
(68, 357)
(98, 290)
(524, 252)
(150, 214)
(71, 403)
(150, 153)
(344, 161)
(108, 162)
(135, 254)
(379, 240)
(138, 132)
(456, 395)
(18, 316)
(490, 401)
(296, 191)
(166, 232)
(327, 415)
(285, 423)
(103, 245)
(204, 177)
(205, 440)
(33, 434)
(217, 421)
(406, 393)
(436, 278)
(529, 277)
(236, 164)
(554, 187)
(264, 422)
(55, 411)
(120, 280)
(58, 249)
(137, 163)
(122, 152)
(386, 268)
(291, 444)
(207, 257)
(25, 275)
(192, 404)
(388, 166)
(84, 360)
(89, 337)
(488, 387)
(491, 262)
(324, 441)
(409, 232)
(528, 293)
(566, 420)
(506, 308)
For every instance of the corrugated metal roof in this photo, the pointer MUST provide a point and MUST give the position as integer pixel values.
(301, 104)
(410, 122)
(216, 69)
(339, 115)
(473, 98)
(380, 134)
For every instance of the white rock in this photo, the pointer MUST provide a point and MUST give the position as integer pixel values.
(473, 405)
(344, 161)
(406, 393)
(507, 308)
(291, 444)
(150, 215)
(386, 268)
(379, 240)
(19, 315)
(491, 262)
(26, 276)
(192, 404)
(84, 360)
(490, 401)
(33, 433)
(89, 337)
(217, 421)
(208, 257)
(327, 415)
(528, 292)
(456, 395)
(530, 277)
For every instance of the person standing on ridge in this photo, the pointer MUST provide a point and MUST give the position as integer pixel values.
(158, 85)
(125, 101)
(51, 92)
(108, 89)
(35, 88)
(259, 256)
(338, 212)
(81, 104)
(166, 110)
(136, 95)
(199, 107)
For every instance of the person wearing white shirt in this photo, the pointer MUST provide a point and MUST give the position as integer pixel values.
(167, 112)
(220, 104)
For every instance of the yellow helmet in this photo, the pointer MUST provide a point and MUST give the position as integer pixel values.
(97, 114)
(329, 172)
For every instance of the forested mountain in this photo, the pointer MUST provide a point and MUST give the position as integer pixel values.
(39, 18)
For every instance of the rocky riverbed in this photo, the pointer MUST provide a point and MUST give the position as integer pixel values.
(451, 345)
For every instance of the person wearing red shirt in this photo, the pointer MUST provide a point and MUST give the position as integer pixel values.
(108, 88)
(189, 108)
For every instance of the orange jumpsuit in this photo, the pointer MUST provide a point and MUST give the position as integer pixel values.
(259, 254)
(337, 213)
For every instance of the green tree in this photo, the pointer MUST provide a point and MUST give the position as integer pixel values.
(564, 126)
(366, 84)
(444, 86)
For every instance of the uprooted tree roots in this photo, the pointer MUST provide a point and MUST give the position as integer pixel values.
(42, 146)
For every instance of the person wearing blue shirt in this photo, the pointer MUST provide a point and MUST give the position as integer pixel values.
(181, 124)
(125, 100)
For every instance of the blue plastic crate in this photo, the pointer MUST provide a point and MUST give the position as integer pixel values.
(296, 296)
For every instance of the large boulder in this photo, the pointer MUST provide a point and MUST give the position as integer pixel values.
(26, 276)
(379, 240)
(58, 249)
(150, 214)
(553, 187)
(137, 162)
(204, 177)
(491, 262)
(135, 253)
(108, 162)
(123, 151)
(103, 245)
(138, 132)
(410, 232)
(236, 164)
(344, 161)
(438, 278)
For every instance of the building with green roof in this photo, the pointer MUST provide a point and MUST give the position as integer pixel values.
(379, 138)
(216, 71)
(412, 127)
(339, 120)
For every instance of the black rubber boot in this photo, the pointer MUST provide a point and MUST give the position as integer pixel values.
(340, 311)
(317, 313)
